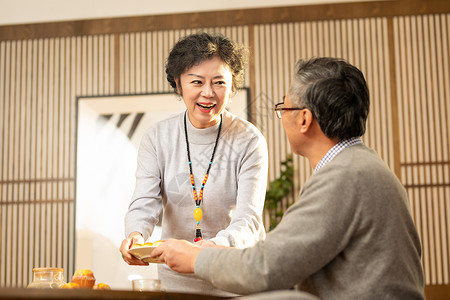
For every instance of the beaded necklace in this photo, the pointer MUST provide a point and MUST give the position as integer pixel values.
(198, 213)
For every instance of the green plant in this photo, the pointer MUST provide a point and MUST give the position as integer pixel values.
(278, 189)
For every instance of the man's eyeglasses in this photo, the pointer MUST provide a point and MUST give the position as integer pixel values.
(279, 107)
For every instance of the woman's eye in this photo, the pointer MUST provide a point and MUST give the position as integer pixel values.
(220, 82)
(196, 82)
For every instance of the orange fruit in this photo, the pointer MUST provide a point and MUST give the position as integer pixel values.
(101, 286)
(70, 285)
(157, 243)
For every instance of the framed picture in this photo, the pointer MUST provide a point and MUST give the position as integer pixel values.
(109, 130)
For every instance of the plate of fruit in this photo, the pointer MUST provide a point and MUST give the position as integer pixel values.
(143, 251)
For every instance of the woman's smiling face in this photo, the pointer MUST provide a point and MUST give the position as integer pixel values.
(206, 89)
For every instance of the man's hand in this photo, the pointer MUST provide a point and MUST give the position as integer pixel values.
(179, 255)
(133, 238)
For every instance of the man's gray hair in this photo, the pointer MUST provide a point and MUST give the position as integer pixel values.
(335, 92)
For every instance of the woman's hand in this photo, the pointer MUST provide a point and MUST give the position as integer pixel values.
(205, 244)
(133, 238)
(179, 255)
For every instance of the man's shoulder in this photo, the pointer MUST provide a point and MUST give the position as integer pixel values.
(357, 164)
(357, 157)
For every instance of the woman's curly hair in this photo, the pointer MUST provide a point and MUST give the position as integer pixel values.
(193, 49)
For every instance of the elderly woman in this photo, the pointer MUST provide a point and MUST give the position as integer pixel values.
(206, 168)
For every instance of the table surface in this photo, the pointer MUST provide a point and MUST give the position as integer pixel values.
(71, 294)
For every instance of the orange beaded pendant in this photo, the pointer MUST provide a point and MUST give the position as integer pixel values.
(198, 213)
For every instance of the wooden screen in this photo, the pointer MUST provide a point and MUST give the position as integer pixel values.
(423, 93)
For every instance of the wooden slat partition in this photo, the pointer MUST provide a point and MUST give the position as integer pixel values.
(40, 80)
(422, 70)
(404, 55)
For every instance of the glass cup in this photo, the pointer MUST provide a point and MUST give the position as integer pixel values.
(146, 285)
(44, 278)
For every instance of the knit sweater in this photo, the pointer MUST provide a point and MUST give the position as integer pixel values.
(350, 235)
(233, 195)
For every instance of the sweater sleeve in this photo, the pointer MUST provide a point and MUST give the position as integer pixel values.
(246, 226)
(145, 206)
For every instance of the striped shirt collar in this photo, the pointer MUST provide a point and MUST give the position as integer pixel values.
(336, 149)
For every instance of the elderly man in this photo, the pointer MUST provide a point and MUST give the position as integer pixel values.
(350, 234)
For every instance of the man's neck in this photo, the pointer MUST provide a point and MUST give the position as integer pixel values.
(321, 146)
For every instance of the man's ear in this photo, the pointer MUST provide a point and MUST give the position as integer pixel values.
(305, 120)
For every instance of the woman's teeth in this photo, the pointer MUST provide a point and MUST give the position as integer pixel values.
(206, 106)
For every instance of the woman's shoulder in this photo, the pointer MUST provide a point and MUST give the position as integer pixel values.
(164, 128)
(240, 125)
(167, 123)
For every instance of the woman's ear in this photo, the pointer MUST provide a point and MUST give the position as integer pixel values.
(179, 90)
